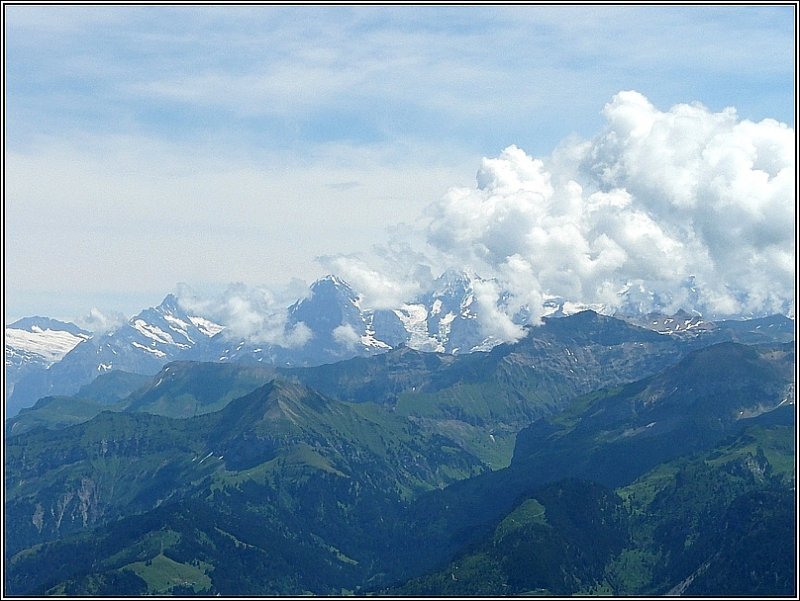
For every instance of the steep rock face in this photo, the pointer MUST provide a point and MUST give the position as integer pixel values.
(386, 326)
(327, 326)
(339, 328)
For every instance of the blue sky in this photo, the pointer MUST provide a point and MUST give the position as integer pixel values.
(151, 145)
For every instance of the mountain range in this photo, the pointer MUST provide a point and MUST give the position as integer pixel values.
(402, 453)
(632, 488)
(45, 357)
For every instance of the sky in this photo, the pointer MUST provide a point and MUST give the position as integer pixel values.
(571, 151)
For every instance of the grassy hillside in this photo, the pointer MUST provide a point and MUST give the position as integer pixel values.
(715, 523)
(285, 490)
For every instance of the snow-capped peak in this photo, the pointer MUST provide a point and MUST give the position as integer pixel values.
(42, 339)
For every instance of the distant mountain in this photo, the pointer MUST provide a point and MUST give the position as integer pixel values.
(706, 395)
(444, 320)
(142, 345)
(681, 323)
(336, 327)
(113, 386)
(480, 400)
(338, 324)
(693, 328)
(773, 328)
(32, 345)
(187, 389)
(41, 325)
(56, 412)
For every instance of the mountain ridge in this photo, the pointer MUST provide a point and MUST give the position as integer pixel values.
(445, 319)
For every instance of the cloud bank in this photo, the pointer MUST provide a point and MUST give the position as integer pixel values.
(662, 210)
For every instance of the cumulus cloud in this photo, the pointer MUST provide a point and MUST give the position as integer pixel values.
(378, 289)
(394, 274)
(495, 322)
(684, 208)
(251, 313)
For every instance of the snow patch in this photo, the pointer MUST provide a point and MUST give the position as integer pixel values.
(206, 326)
(415, 322)
(154, 351)
(486, 345)
(50, 345)
(152, 332)
(179, 326)
(369, 340)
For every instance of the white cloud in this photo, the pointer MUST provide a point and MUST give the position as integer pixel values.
(149, 213)
(194, 143)
(656, 197)
(385, 286)
(345, 334)
(254, 314)
(100, 322)
(495, 322)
